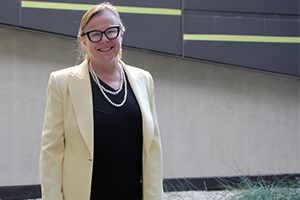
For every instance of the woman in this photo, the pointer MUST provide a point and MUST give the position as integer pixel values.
(100, 138)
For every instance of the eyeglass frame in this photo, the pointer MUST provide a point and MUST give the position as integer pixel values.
(88, 33)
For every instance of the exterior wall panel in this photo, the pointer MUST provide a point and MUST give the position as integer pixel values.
(290, 7)
(153, 32)
(259, 56)
(64, 22)
(10, 12)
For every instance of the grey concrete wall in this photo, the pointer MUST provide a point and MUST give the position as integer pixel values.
(221, 121)
(26, 60)
(214, 120)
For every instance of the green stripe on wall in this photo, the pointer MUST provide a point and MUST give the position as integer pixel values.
(146, 10)
(241, 38)
(84, 7)
(55, 5)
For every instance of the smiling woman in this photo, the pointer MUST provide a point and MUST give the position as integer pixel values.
(103, 53)
(101, 138)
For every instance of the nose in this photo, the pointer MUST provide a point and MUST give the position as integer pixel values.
(104, 38)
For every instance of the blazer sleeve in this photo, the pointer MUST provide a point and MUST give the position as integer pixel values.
(155, 153)
(52, 146)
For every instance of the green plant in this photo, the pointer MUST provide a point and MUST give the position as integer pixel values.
(185, 190)
(275, 188)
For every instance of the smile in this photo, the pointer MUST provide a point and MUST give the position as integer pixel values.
(106, 49)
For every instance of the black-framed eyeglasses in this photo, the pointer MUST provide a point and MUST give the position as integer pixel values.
(96, 35)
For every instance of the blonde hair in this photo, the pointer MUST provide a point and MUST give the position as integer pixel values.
(96, 10)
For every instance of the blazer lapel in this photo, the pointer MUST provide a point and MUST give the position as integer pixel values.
(81, 97)
(140, 91)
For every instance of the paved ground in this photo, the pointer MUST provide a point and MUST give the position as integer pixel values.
(194, 195)
(198, 195)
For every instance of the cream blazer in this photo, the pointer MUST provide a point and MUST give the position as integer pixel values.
(66, 159)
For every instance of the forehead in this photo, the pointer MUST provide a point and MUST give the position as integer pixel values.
(102, 21)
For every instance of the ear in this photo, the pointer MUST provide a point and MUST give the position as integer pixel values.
(83, 40)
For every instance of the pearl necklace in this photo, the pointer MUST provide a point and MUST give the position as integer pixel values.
(102, 89)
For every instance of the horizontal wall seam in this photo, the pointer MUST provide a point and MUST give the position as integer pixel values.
(241, 38)
(85, 7)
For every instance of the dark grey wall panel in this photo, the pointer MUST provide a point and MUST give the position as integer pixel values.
(223, 25)
(288, 7)
(252, 6)
(153, 32)
(176, 4)
(10, 12)
(282, 27)
(64, 22)
(198, 24)
(272, 57)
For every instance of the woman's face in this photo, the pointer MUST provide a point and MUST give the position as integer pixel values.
(106, 50)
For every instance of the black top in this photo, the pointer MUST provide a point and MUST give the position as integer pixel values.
(118, 143)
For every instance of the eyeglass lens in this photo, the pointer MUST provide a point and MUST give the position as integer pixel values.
(110, 33)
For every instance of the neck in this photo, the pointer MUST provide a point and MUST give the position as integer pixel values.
(110, 74)
(106, 69)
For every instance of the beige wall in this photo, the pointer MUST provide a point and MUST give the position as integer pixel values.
(220, 121)
(214, 120)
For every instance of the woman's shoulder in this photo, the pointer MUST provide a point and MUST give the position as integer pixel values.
(135, 70)
(68, 70)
